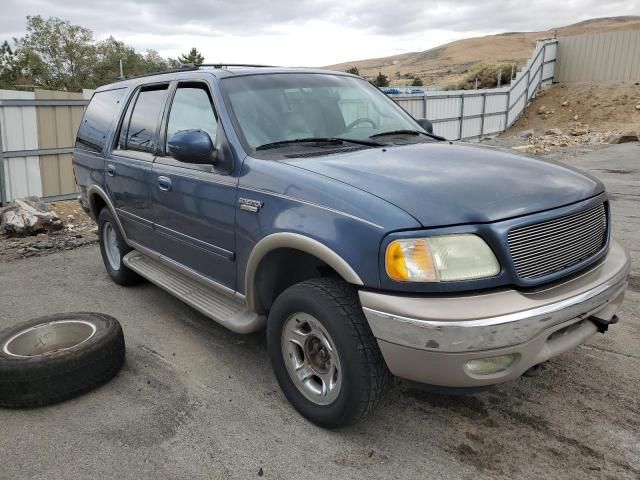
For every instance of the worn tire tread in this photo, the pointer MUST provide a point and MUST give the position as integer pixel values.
(40, 381)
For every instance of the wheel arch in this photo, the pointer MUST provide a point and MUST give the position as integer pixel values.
(98, 199)
(292, 242)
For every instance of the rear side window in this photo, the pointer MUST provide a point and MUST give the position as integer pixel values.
(97, 119)
(138, 130)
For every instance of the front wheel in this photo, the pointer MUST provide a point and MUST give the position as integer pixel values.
(323, 353)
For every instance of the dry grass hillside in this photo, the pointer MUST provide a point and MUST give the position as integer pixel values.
(448, 63)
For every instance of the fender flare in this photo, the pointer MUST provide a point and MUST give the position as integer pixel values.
(94, 190)
(299, 242)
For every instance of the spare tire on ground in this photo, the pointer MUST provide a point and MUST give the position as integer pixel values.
(50, 359)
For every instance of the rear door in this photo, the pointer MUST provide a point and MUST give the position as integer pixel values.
(195, 204)
(129, 165)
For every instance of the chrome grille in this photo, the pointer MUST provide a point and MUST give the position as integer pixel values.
(551, 246)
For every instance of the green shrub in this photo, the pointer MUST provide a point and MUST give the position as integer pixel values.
(487, 76)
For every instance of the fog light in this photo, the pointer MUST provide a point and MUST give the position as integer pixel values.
(489, 365)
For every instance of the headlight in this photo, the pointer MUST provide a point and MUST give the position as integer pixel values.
(445, 258)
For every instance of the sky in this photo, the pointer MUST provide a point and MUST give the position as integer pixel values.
(303, 33)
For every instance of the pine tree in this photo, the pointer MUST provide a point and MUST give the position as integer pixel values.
(194, 56)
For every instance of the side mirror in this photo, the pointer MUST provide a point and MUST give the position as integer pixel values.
(426, 124)
(192, 146)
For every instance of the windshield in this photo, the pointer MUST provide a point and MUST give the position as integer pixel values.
(275, 108)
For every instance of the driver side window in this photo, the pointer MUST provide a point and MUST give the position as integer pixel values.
(192, 110)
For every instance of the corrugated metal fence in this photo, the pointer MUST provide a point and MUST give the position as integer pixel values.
(37, 133)
(600, 56)
(466, 114)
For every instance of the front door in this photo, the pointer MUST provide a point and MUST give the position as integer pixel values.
(194, 204)
(128, 167)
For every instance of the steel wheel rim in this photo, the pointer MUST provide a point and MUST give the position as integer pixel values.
(111, 248)
(311, 358)
(49, 338)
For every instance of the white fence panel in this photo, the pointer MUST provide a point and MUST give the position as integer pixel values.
(19, 131)
(471, 127)
(458, 114)
(472, 105)
(414, 106)
(494, 124)
(440, 108)
(448, 129)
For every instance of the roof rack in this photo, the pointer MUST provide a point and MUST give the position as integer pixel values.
(193, 66)
(186, 67)
(183, 68)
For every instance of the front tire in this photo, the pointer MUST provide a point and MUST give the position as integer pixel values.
(323, 353)
(113, 249)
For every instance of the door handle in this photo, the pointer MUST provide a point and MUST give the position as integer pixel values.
(111, 170)
(164, 183)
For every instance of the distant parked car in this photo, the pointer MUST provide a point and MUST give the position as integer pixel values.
(309, 203)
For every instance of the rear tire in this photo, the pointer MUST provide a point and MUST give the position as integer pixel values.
(323, 353)
(113, 249)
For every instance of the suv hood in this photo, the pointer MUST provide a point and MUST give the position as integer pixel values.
(447, 184)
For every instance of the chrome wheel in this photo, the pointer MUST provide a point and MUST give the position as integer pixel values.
(311, 358)
(49, 338)
(111, 248)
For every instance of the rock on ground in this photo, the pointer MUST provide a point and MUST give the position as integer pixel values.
(624, 138)
(28, 216)
(526, 133)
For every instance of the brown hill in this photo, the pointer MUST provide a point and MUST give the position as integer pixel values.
(447, 63)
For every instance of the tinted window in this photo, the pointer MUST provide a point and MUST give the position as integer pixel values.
(192, 109)
(141, 129)
(97, 119)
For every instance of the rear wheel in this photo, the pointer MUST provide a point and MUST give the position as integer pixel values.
(113, 249)
(323, 353)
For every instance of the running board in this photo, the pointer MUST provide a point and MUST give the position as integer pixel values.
(223, 308)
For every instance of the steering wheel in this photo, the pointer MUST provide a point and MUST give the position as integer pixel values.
(358, 121)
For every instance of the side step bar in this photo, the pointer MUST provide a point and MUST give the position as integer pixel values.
(223, 308)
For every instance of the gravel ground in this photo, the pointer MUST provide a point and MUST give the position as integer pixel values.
(197, 401)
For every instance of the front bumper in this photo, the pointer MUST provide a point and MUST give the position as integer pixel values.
(430, 340)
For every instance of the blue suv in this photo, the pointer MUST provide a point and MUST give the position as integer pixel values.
(308, 203)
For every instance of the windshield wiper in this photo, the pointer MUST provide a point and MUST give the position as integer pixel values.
(407, 132)
(335, 140)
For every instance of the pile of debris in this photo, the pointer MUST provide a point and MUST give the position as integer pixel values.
(577, 135)
(28, 216)
(29, 227)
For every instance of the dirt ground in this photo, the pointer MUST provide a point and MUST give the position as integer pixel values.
(79, 230)
(585, 115)
(602, 106)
